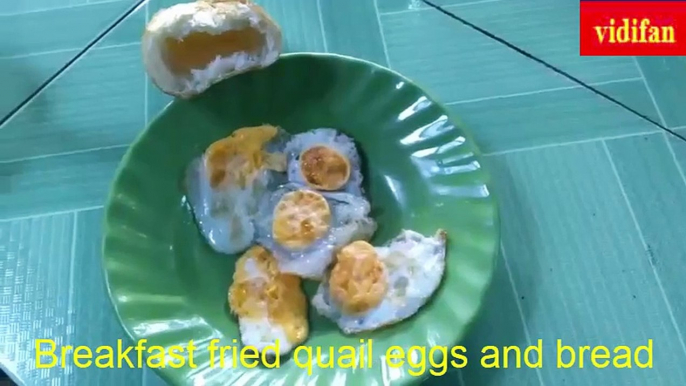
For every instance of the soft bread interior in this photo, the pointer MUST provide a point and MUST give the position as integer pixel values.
(197, 49)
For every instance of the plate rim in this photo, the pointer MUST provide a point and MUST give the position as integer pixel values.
(453, 118)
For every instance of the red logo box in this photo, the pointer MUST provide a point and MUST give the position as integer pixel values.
(632, 28)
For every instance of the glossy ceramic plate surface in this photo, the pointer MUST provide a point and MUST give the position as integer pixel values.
(422, 172)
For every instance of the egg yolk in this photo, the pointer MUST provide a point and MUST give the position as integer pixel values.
(357, 281)
(272, 294)
(324, 168)
(300, 218)
(198, 49)
(237, 158)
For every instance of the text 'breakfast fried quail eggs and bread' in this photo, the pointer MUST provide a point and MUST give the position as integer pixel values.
(415, 360)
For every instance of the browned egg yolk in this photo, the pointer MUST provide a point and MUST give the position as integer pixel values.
(198, 49)
(276, 296)
(236, 158)
(357, 281)
(324, 168)
(300, 218)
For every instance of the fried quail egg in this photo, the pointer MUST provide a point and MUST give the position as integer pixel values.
(304, 227)
(225, 185)
(270, 306)
(326, 160)
(189, 47)
(372, 287)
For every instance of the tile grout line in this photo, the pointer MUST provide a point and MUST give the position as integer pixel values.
(58, 8)
(543, 91)
(147, 78)
(662, 119)
(381, 33)
(570, 143)
(65, 50)
(419, 9)
(71, 62)
(402, 11)
(650, 92)
(618, 180)
(544, 63)
(321, 25)
(66, 153)
(50, 214)
(515, 292)
(676, 161)
(460, 378)
(144, 379)
(72, 265)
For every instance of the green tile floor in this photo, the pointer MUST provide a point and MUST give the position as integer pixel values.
(593, 198)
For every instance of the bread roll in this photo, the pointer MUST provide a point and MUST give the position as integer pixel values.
(189, 47)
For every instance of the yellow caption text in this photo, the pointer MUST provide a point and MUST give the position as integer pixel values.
(416, 360)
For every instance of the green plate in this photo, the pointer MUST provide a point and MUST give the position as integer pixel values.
(422, 172)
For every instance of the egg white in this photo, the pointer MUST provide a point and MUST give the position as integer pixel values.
(414, 267)
(262, 332)
(225, 216)
(333, 139)
(350, 221)
(212, 17)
